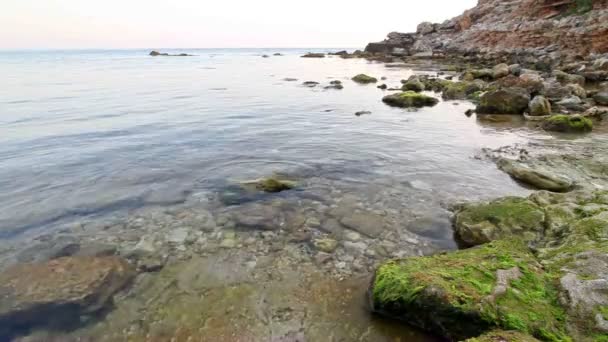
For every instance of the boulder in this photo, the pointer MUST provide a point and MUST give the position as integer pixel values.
(572, 103)
(538, 178)
(601, 98)
(515, 69)
(413, 84)
(504, 101)
(364, 79)
(59, 291)
(554, 91)
(568, 124)
(425, 28)
(479, 223)
(460, 90)
(577, 90)
(565, 78)
(531, 82)
(410, 99)
(539, 106)
(500, 71)
(467, 293)
(601, 64)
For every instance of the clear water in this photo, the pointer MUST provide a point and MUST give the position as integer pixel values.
(91, 136)
(91, 132)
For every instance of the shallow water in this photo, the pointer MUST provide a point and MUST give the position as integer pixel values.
(130, 150)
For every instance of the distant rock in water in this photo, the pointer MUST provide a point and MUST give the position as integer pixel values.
(314, 55)
(156, 53)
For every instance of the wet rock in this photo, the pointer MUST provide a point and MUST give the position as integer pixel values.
(270, 184)
(290, 79)
(265, 56)
(366, 223)
(577, 90)
(59, 291)
(410, 99)
(568, 124)
(336, 86)
(383, 86)
(504, 101)
(413, 84)
(264, 216)
(601, 98)
(479, 223)
(432, 227)
(554, 91)
(565, 78)
(573, 103)
(539, 106)
(538, 178)
(326, 245)
(178, 236)
(461, 90)
(355, 248)
(484, 74)
(500, 71)
(278, 54)
(333, 227)
(363, 112)
(468, 293)
(156, 53)
(314, 55)
(310, 84)
(364, 79)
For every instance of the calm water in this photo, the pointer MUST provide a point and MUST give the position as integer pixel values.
(91, 136)
(93, 132)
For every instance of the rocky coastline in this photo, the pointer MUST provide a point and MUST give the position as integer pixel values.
(514, 269)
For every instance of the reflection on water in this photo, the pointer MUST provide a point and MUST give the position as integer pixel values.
(142, 157)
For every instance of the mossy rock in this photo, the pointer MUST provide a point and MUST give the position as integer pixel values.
(568, 124)
(434, 84)
(270, 184)
(480, 223)
(503, 336)
(410, 99)
(467, 293)
(460, 90)
(413, 84)
(504, 101)
(364, 79)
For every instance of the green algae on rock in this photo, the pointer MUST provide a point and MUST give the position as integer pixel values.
(504, 101)
(503, 336)
(568, 124)
(410, 99)
(467, 293)
(479, 223)
(364, 79)
(461, 90)
(413, 84)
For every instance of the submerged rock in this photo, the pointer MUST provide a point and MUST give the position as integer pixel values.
(270, 184)
(504, 101)
(464, 294)
(568, 124)
(364, 79)
(479, 223)
(59, 291)
(410, 99)
(538, 178)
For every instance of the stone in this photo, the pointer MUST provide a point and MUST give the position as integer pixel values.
(539, 106)
(515, 69)
(425, 28)
(566, 78)
(270, 184)
(538, 178)
(363, 112)
(364, 79)
(461, 90)
(257, 215)
(554, 91)
(356, 248)
(500, 71)
(432, 227)
(480, 223)
(326, 245)
(601, 98)
(366, 223)
(59, 291)
(178, 236)
(577, 90)
(310, 84)
(568, 124)
(383, 86)
(484, 74)
(504, 101)
(601, 64)
(413, 84)
(467, 293)
(503, 336)
(314, 55)
(573, 103)
(410, 99)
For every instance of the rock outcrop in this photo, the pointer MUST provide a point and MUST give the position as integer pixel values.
(524, 29)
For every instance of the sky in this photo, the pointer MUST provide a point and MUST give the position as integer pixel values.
(58, 24)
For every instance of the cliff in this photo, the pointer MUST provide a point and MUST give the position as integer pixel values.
(557, 29)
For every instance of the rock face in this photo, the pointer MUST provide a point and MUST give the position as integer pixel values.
(62, 289)
(519, 28)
